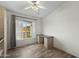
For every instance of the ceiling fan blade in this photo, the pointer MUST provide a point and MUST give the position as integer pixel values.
(42, 7)
(27, 8)
(37, 2)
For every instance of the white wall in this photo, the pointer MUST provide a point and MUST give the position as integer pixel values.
(23, 42)
(63, 24)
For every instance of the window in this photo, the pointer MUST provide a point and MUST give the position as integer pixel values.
(23, 30)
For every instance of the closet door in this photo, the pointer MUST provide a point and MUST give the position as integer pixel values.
(1, 31)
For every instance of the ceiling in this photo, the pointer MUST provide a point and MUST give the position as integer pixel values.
(18, 6)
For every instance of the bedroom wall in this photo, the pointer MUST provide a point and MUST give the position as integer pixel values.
(63, 24)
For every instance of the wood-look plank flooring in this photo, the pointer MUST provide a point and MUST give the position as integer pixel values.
(37, 51)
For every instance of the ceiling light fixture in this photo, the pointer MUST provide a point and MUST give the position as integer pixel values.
(34, 6)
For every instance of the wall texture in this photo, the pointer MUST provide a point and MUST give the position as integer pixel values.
(63, 24)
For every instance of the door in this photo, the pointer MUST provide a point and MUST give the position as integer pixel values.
(23, 32)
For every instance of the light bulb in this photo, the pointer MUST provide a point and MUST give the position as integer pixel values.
(35, 7)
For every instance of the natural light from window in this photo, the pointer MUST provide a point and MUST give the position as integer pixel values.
(23, 30)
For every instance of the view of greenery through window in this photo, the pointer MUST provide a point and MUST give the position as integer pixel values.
(23, 30)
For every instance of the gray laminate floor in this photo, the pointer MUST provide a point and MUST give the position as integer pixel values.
(37, 51)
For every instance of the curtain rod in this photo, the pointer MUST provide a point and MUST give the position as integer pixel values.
(25, 17)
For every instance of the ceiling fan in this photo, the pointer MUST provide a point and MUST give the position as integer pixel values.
(34, 6)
